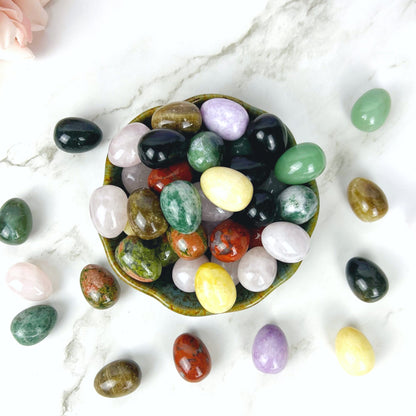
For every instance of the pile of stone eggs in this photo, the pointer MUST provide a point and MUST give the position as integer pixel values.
(186, 163)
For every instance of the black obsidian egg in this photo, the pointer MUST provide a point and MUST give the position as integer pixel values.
(160, 148)
(268, 137)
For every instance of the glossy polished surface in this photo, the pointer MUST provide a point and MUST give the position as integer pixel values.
(188, 246)
(261, 211)
(15, 221)
(268, 137)
(227, 188)
(108, 210)
(168, 294)
(182, 116)
(138, 260)
(76, 135)
(229, 241)
(297, 204)
(225, 117)
(145, 215)
(367, 200)
(99, 287)
(270, 350)
(181, 206)
(306, 62)
(29, 281)
(161, 148)
(191, 357)
(135, 177)
(300, 164)
(366, 280)
(255, 170)
(159, 178)
(257, 270)
(214, 288)
(33, 324)
(371, 110)
(118, 378)
(286, 242)
(123, 148)
(354, 352)
(205, 151)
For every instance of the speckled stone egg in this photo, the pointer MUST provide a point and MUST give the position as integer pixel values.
(100, 289)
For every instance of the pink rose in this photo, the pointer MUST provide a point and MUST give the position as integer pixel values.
(18, 19)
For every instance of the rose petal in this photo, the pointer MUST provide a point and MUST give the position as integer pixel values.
(8, 31)
(15, 52)
(11, 10)
(34, 11)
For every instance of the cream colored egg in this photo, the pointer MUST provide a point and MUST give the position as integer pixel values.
(354, 352)
(227, 188)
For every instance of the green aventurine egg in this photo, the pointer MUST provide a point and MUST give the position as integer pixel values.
(371, 110)
(300, 164)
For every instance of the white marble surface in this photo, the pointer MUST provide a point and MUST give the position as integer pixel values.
(307, 62)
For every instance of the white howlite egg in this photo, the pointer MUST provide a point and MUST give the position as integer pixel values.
(257, 270)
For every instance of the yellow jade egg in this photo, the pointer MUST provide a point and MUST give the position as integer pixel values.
(354, 352)
(227, 188)
(214, 288)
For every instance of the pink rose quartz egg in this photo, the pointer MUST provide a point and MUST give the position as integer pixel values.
(29, 281)
(286, 242)
(123, 148)
(108, 210)
(184, 271)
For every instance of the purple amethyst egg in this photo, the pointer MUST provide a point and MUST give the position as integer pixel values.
(270, 350)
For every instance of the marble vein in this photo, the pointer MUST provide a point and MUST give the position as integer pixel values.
(88, 346)
(260, 26)
(42, 159)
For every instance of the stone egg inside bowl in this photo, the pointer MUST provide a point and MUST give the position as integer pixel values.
(163, 289)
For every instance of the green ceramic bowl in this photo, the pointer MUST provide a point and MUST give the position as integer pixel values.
(163, 289)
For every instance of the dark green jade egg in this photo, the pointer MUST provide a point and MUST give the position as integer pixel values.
(15, 221)
(76, 135)
(366, 280)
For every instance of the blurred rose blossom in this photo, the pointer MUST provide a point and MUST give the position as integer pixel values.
(18, 19)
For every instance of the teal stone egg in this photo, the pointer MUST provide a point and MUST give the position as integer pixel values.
(370, 111)
(33, 324)
(15, 221)
(300, 164)
(297, 204)
(139, 259)
(181, 206)
(205, 151)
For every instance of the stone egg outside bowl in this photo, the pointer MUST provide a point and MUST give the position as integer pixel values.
(163, 289)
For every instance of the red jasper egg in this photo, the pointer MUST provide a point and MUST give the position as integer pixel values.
(188, 246)
(229, 241)
(191, 357)
(159, 178)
